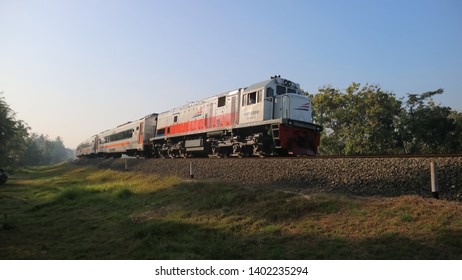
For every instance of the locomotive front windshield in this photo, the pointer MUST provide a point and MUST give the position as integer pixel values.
(283, 90)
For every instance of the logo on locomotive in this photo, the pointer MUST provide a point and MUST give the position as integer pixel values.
(304, 107)
(197, 114)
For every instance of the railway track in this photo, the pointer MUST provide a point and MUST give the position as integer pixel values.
(390, 175)
(397, 156)
(403, 156)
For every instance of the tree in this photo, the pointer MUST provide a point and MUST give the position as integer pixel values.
(33, 152)
(58, 151)
(455, 137)
(41, 150)
(12, 135)
(361, 120)
(425, 126)
(17, 147)
(367, 120)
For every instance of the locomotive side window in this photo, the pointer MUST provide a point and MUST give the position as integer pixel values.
(244, 99)
(269, 92)
(252, 98)
(259, 96)
(175, 119)
(161, 132)
(280, 90)
(222, 101)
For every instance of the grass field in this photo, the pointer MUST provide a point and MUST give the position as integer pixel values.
(74, 212)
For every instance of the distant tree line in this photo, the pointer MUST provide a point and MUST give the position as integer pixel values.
(18, 147)
(365, 120)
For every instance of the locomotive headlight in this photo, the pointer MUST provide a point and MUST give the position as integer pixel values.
(287, 83)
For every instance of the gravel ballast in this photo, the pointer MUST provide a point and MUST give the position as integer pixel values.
(358, 176)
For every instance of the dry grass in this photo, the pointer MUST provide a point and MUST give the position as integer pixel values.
(70, 212)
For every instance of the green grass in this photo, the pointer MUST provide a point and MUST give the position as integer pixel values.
(74, 212)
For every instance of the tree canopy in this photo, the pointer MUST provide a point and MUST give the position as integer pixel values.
(365, 120)
(19, 147)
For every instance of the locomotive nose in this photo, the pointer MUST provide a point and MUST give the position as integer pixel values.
(301, 145)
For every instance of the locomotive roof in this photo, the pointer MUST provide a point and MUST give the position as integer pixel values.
(231, 92)
(257, 85)
(247, 89)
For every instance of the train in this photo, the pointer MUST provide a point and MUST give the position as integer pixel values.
(269, 118)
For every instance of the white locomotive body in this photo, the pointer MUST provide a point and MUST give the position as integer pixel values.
(267, 118)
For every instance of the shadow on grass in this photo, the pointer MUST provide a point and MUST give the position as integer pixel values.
(197, 220)
(211, 221)
(176, 240)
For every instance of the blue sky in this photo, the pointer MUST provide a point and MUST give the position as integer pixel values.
(74, 68)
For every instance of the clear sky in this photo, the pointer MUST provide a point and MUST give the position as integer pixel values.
(73, 68)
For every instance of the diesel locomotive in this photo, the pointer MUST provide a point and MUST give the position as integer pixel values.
(269, 118)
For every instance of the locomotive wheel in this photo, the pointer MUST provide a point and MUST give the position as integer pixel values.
(213, 152)
(246, 151)
(182, 153)
(268, 150)
(224, 152)
(257, 151)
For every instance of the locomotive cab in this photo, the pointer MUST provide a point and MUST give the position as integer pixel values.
(276, 118)
(286, 103)
(274, 99)
(285, 100)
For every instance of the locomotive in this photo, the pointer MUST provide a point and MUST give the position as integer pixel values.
(269, 118)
